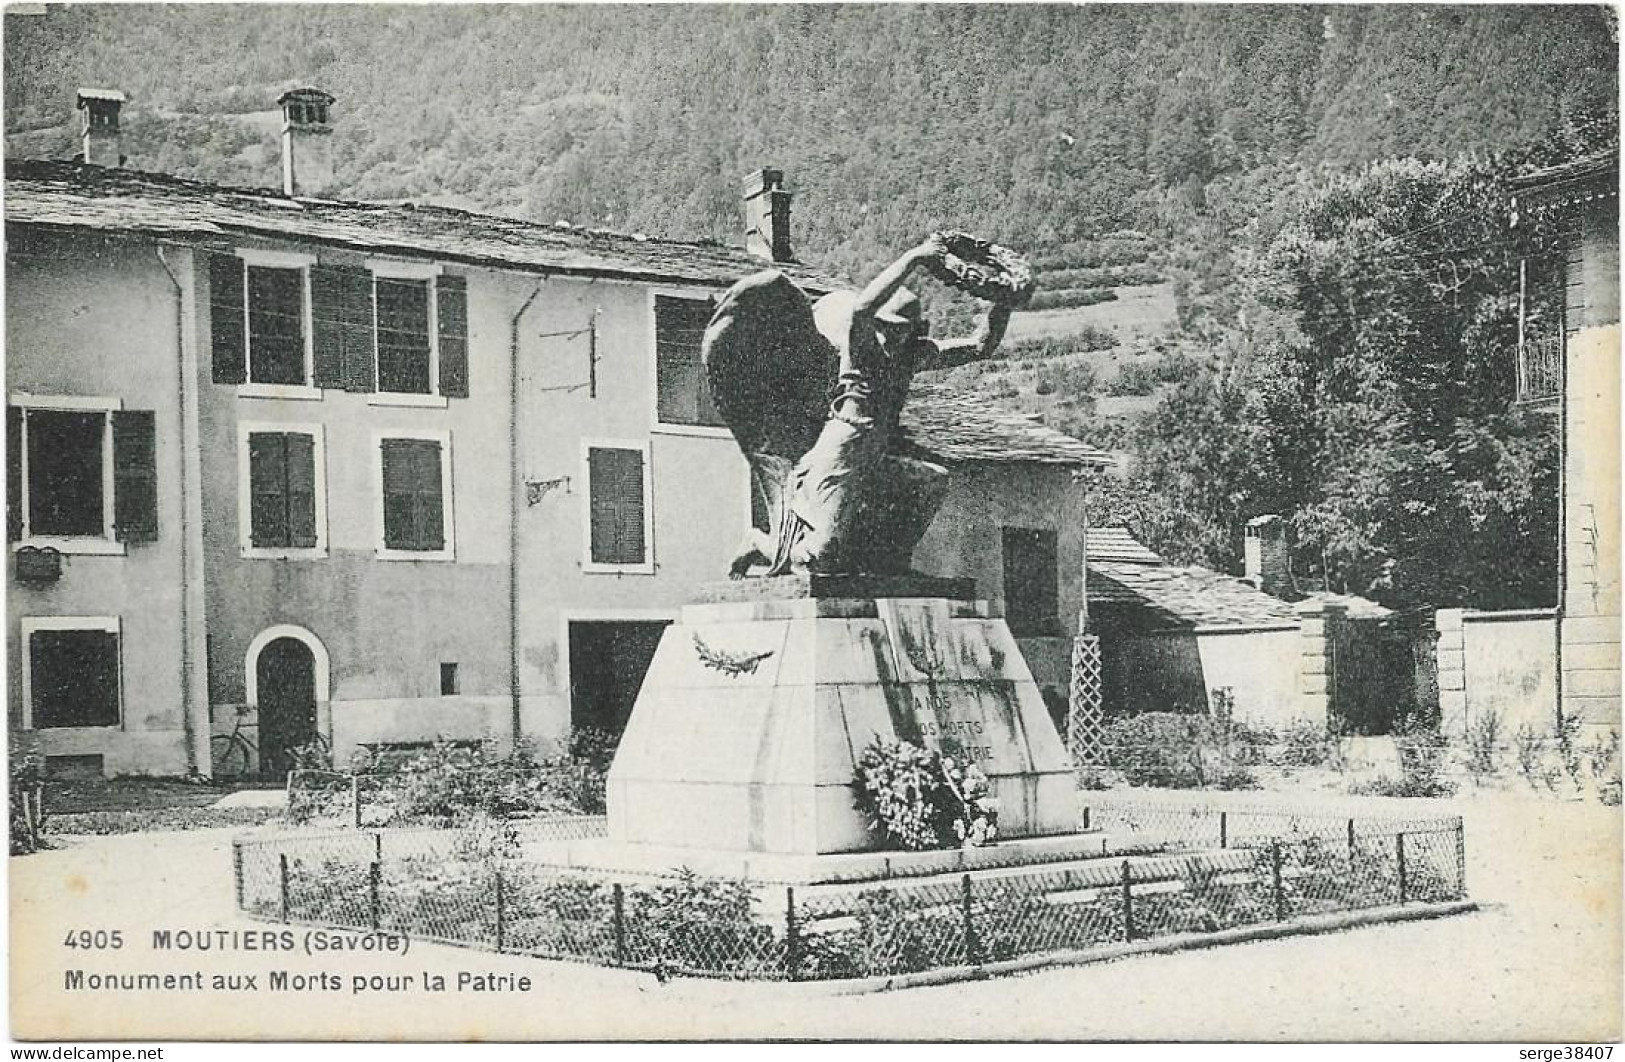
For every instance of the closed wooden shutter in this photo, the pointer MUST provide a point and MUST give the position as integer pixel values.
(268, 489)
(300, 462)
(682, 393)
(276, 325)
(358, 330)
(135, 476)
(451, 293)
(414, 511)
(328, 324)
(14, 473)
(226, 325)
(617, 517)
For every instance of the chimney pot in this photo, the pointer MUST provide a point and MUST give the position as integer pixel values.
(307, 151)
(99, 115)
(767, 216)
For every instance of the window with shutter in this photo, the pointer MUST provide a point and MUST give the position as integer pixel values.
(682, 394)
(81, 474)
(1031, 582)
(260, 320)
(283, 504)
(72, 672)
(414, 497)
(618, 517)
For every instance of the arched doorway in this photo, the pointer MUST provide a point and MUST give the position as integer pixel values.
(287, 678)
(286, 671)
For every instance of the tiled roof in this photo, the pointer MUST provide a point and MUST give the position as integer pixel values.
(959, 427)
(75, 195)
(1593, 176)
(945, 424)
(1137, 585)
(1163, 595)
(1116, 544)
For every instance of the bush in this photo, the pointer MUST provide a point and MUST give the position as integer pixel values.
(1133, 378)
(1483, 744)
(1171, 750)
(27, 794)
(1421, 761)
(1082, 340)
(1075, 378)
(1305, 744)
(1069, 298)
(1605, 771)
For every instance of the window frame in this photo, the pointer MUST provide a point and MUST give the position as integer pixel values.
(703, 431)
(394, 269)
(588, 565)
(105, 544)
(245, 493)
(276, 259)
(448, 521)
(31, 625)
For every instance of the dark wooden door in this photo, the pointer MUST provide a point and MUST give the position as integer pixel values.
(287, 689)
(607, 663)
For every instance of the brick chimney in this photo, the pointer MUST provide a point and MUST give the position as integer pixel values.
(99, 110)
(1266, 557)
(307, 149)
(767, 216)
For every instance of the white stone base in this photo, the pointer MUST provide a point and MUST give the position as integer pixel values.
(748, 729)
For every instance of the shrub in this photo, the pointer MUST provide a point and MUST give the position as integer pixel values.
(1305, 743)
(1421, 761)
(701, 924)
(1526, 743)
(1075, 378)
(27, 795)
(1567, 736)
(1081, 340)
(1133, 378)
(1173, 750)
(1605, 771)
(1483, 744)
(1069, 298)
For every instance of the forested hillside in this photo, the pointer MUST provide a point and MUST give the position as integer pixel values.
(1037, 125)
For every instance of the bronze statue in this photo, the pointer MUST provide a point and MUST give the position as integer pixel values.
(812, 393)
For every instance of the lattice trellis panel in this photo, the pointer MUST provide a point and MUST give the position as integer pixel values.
(1086, 713)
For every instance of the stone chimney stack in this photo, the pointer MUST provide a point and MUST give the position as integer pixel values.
(307, 149)
(99, 109)
(1266, 557)
(767, 216)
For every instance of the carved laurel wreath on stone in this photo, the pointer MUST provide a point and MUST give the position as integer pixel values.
(731, 664)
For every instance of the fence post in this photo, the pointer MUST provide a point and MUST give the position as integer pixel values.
(1128, 904)
(1086, 817)
(970, 923)
(1399, 849)
(375, 878)
(378, 846)
(282, 864)
(237, 872)
(501, 914)
(792, 936)
(620, 924)
(355, 797)
(1224, 829)
(1351, 840)
(1275, 875)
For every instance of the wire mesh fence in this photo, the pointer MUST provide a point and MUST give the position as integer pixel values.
(405, 793)
(1213, 869)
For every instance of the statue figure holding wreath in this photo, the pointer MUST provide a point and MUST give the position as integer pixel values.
(812, 392)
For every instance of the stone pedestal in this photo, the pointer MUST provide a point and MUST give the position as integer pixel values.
(746, 734)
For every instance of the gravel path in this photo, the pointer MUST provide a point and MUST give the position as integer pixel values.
(1540, 962)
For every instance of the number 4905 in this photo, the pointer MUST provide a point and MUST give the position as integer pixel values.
(94, 939)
